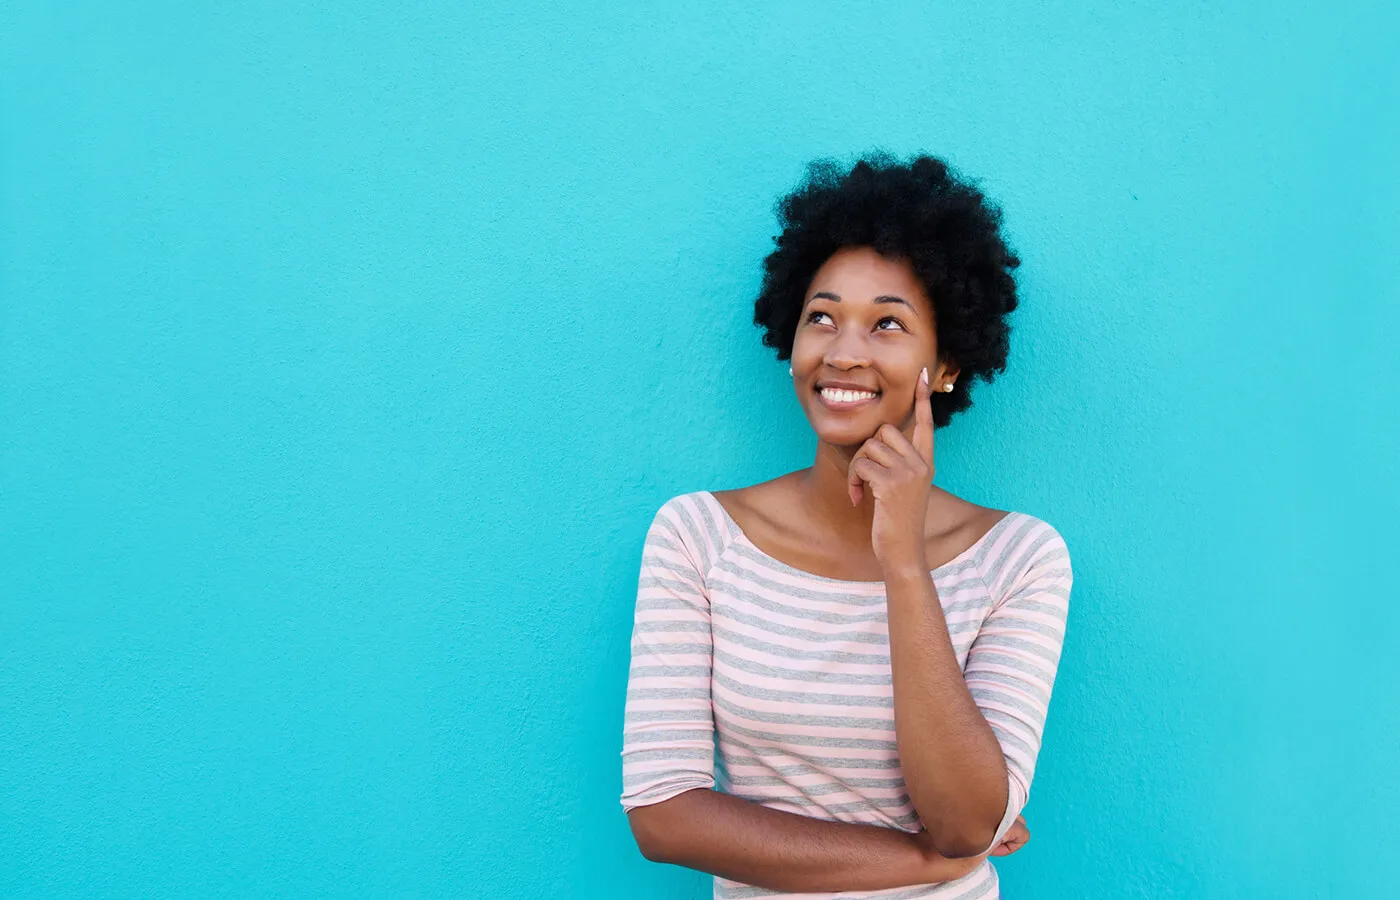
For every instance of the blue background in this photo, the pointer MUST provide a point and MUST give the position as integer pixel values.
(346, 351)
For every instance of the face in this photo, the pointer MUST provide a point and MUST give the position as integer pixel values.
(866, 327)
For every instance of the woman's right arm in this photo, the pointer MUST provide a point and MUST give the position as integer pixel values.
(733, 838)
(668, 749)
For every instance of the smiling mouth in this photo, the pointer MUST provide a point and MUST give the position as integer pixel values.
(838, 399)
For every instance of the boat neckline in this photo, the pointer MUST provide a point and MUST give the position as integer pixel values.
(866, 585)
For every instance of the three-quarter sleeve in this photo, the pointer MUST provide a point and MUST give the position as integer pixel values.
(1011, 665)
(668, 730)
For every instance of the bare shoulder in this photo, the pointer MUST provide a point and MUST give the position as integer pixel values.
(957, 514)
(955, 524)
(762, 508)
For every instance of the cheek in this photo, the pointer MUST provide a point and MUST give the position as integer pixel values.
(802, 353)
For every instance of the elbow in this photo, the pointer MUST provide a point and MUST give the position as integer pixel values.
(964, 843)
(648, 836)
(961, 848)
(965, 833)
(663, 831)
(651, 853)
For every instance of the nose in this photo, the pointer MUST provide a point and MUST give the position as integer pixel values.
(847, 350)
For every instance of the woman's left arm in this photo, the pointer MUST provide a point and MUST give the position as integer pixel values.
(968, 737)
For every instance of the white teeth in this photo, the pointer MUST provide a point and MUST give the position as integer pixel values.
(838, 396)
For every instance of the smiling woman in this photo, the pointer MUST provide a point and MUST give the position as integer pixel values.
(870, 657)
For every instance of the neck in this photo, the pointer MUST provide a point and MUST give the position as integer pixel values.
(827, 497)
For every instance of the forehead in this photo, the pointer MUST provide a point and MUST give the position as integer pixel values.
(861, 274)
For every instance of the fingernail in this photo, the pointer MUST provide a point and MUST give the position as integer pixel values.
(923, 375)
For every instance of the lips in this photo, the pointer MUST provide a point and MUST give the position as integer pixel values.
(840, 400)
(846, 386)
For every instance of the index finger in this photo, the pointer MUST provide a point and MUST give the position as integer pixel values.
(923, 418)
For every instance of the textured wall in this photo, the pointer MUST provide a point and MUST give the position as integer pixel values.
(347, 350)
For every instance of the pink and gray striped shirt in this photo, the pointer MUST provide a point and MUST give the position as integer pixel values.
(778, 680)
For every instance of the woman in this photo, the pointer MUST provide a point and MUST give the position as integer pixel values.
(865, 658)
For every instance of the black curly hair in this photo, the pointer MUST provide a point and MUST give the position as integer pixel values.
(921, 211)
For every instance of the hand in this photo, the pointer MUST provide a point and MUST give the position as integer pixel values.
(1014, 839)
(899, 471)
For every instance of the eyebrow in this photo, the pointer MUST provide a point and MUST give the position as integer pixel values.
(883, 298)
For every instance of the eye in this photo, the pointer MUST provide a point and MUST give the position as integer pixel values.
(812, 315)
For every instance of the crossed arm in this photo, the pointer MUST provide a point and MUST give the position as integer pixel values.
(746, 842)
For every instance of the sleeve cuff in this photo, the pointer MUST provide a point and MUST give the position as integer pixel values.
(662, 792)
(1014, 804)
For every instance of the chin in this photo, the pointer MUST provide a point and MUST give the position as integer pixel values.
(846, 434)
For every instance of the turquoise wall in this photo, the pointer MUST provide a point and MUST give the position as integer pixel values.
(346, 351)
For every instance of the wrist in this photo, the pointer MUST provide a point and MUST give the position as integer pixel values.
(908, 566)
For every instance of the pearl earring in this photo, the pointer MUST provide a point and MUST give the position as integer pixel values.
(947, 388)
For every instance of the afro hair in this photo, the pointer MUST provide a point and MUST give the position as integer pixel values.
(920, 211)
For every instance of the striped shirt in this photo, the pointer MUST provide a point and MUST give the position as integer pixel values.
(778, 680)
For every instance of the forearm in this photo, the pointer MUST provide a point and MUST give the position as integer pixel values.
(952, 763)
(752, 844)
